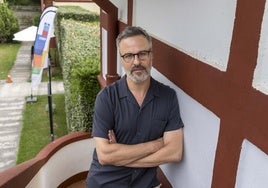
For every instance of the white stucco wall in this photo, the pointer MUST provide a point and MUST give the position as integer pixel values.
(201, 133)
(260, 81)
(65, 163)
(104, 52)
(122, 9)
(201, 29)
(253, 167)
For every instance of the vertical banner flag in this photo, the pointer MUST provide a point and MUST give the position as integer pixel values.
(41, 45)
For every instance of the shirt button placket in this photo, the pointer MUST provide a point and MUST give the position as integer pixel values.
(138, 133)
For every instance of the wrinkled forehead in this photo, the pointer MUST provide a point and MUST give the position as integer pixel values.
(133, 44)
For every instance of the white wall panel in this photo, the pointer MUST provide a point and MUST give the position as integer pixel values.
(253, 167)
(122, 9)
(201, 29)
(104, 52)
(260, 81)
(201, 134)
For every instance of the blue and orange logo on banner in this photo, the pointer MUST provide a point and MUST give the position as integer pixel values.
(41, 44)
(39, 54)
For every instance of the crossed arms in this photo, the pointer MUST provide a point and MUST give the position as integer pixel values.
(149, 154)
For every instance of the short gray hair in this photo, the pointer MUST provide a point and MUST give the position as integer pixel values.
(132, 31)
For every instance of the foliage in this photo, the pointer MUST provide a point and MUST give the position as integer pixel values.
(56, 74)
(8, 54)
(35, 132)
(76, 13)
(84, 87)
(36, 19)
(79, 53)
(8, 23)
(23, 2)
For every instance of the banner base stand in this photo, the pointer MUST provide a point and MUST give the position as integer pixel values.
(31, 99)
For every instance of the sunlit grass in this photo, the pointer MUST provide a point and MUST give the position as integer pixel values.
(35, 133)
(8, 54)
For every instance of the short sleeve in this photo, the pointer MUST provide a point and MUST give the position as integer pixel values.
(103, 119)
(174, 118)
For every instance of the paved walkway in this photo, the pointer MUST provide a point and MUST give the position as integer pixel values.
(12, 101)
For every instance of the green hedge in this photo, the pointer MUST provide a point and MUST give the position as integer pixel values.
(23, 2)
(79, 53)
(76, 13)
(8, 23)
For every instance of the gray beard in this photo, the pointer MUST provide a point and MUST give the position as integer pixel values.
(138, 79)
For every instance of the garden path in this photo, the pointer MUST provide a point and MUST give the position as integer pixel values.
(12, 102)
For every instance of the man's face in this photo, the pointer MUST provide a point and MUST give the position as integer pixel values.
(137, 67)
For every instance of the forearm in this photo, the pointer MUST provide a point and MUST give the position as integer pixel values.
(121, 154)
(162, 156)
(170, 152)
(148, 154)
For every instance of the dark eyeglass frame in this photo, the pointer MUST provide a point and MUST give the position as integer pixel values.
(142, 55)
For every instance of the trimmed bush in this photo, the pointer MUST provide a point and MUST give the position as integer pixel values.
(76, 13)
(8, 24)
(78, 43)
(23, 2)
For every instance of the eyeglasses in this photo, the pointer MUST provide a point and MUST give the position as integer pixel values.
(142, 56)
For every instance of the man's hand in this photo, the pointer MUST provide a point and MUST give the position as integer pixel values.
(112, 138)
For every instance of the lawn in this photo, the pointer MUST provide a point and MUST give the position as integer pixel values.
(35, 133)
(8, 54)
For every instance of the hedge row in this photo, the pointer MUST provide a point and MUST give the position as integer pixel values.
(76, 13)
(8, 23)
(78, 42)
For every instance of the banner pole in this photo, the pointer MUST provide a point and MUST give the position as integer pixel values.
(50, 105)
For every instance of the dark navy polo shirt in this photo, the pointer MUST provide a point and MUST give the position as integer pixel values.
(117, 109)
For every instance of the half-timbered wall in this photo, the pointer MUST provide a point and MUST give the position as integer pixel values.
(208, 52)
(214, 54)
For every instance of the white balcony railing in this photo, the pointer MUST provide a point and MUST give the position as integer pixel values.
(59, 162)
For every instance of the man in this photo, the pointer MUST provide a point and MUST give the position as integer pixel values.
(137, 124)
